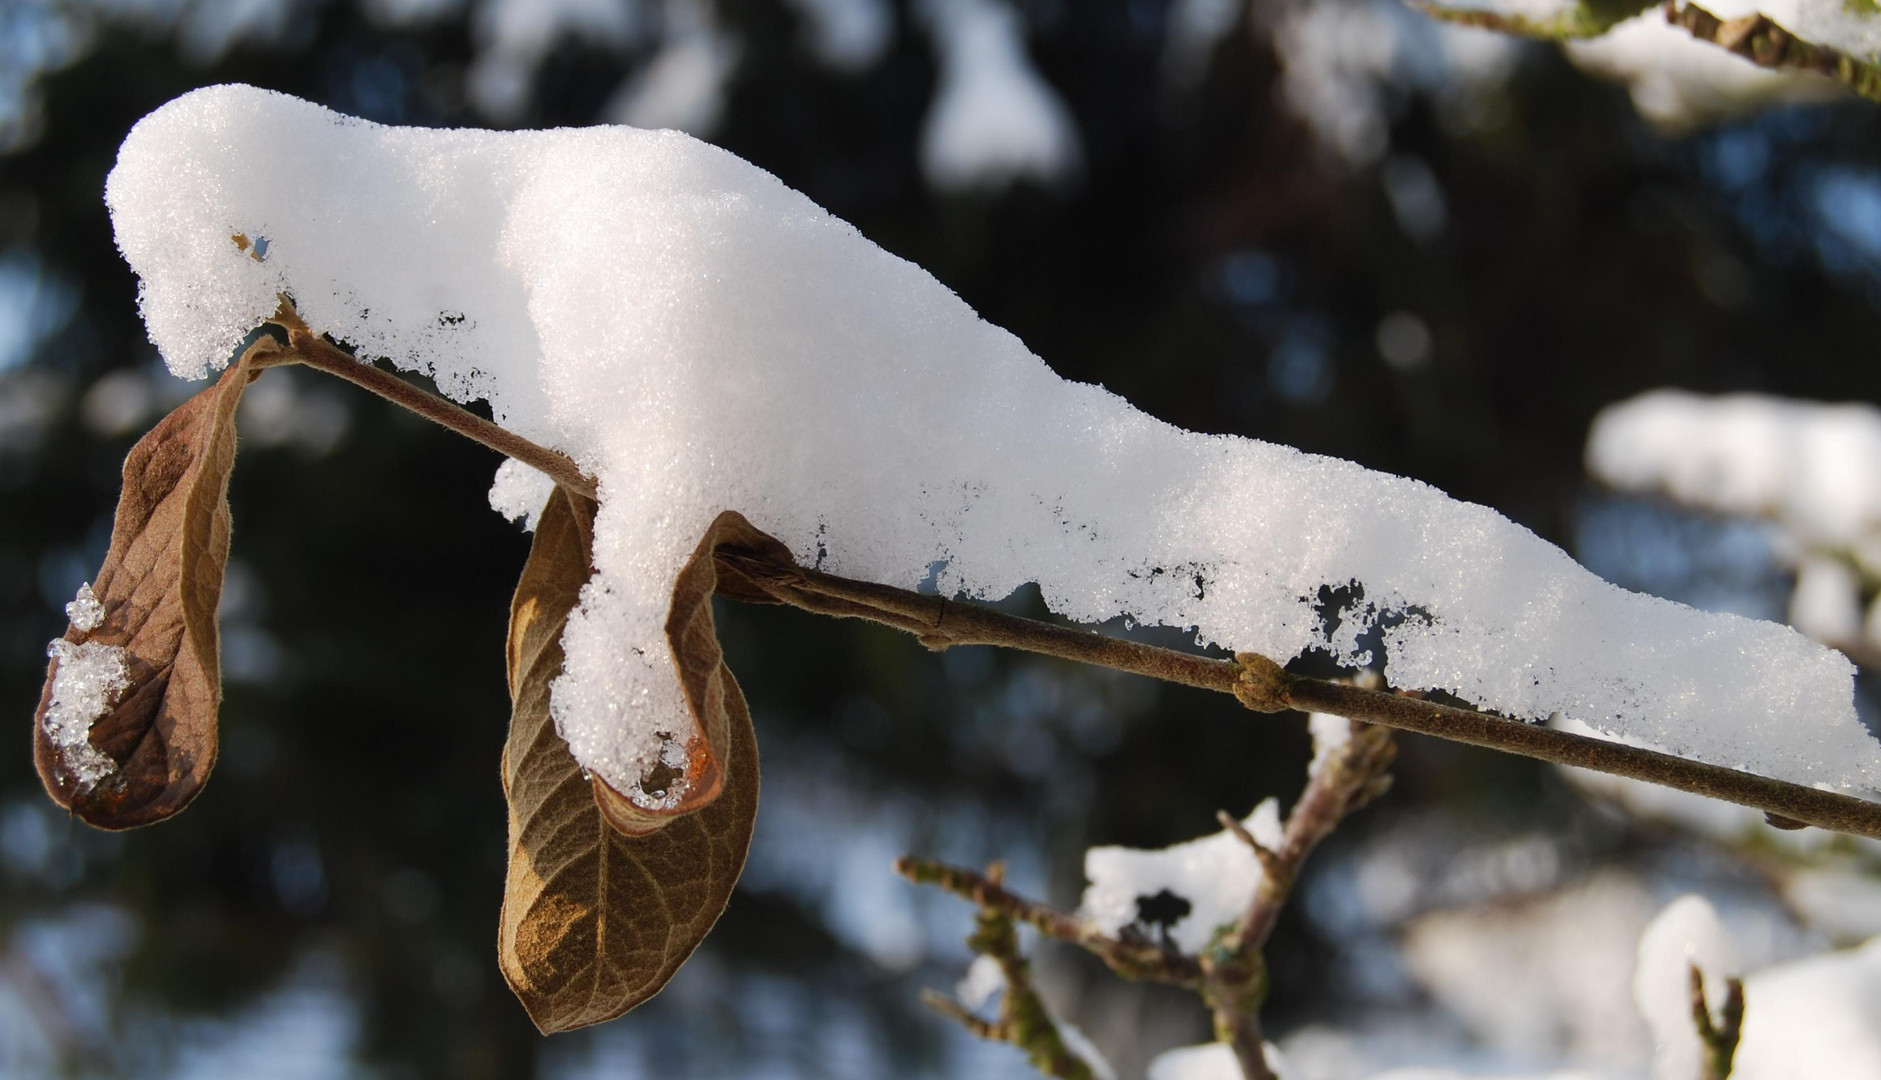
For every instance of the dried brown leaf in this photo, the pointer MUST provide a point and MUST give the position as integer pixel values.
(595, 921)
(160, 585)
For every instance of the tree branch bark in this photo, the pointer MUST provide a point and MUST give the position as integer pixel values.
(1256, 681)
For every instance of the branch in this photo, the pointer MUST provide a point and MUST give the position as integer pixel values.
(1138, 960)
(1233, 967)
(1024, 1019)
(1262, 685)
(1764, 43)
(1588, 19)
(1256, 681)
(1720, 1038)
(1755, 37)
(306, 347)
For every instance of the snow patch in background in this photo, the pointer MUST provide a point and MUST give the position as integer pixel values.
(848, 35)
(1345, 60)
(683, 86)
(1215, 876)
(994, 119)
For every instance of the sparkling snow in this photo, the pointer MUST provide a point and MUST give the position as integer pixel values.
(702, 338)
(85, 612)
(89, 679)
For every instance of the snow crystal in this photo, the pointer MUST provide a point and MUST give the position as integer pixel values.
(1687, 932)
(85, 612)
(519, 492)
(994, 118)
(89, 679)
(702, 338)
(1216, 876)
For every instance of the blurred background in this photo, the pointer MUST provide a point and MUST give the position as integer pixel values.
(1328, 223)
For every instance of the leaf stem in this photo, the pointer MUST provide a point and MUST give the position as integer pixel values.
(322, 355)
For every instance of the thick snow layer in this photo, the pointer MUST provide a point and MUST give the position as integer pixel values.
(1216, 876)
(1815, 468)
(702, 338)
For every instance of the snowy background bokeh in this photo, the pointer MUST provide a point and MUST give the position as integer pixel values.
(1335, 224)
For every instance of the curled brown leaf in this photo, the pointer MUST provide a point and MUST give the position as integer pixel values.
(595, 921)
(159, 588)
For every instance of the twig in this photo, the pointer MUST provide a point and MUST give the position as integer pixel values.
(1264, 686)
(1234, 968)
(1719, 1038)
(1024, 1019)
(1761, 41)
(1257, 681)
(1584, 20)
(306, 347)
(1139, 960)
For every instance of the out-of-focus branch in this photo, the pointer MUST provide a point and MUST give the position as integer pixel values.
(1234, 970)
(1719, 1038)
(1139, 960)
(1024, 1020)
(1588, 19)
(1757, 38)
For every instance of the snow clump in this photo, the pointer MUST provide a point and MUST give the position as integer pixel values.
(700, 338)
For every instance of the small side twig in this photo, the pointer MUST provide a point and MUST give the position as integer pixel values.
(1587, 19)
(1763, 42)
(1139, 960)
(1024, 1019)
(1719, 1038)
(1234, 968)
(306, 347)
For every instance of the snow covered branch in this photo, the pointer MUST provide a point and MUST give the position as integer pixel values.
(1756, 37)
(1257, 681)
(1025, 1020)
(1218, 952)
